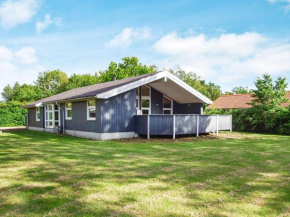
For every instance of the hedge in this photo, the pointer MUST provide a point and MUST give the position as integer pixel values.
(11, 114)
(246, 120)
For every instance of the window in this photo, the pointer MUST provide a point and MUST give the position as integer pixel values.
(68, 111)
(167, 106)
(146, 100)
(91, 110)
(37, 114)
(49, 116)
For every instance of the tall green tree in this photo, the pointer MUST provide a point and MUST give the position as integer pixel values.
(211, 90)
(75, 81)
(241, 90)
(51, 82)
(128, 68)
(28, 93)
(269, 95)
(21, 93)
(9, 92)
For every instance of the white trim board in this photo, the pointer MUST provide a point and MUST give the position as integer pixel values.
(100, 136)
(36, 129)
(147, 80)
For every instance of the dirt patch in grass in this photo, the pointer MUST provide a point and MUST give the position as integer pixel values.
(210, 136)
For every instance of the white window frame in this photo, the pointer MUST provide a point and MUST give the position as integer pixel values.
(38, 112)
(146, 98)
(46, 115)
(167, 109)
(66, 111)
(47, 120)
(88, 110)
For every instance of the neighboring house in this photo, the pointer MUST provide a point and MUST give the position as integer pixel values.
(124, 108)
(238, 101)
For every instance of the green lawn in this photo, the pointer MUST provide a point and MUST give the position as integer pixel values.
(235, 175)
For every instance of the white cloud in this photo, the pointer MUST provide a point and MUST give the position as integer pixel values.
(128, 35)
(26, 55)
(5, 54)
(17, 66)
(228, 57)
(13, 13)
(285, 2)
(40, 26)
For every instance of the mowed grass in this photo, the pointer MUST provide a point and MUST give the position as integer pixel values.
(236, 175)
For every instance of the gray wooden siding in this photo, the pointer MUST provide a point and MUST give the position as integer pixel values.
(184, 124)
(224, 122)
(190, 108)
(79, 120)
(117, 113)
(207, 123)
(32, 118)
(161, 125)
(141, 124)
(157, 105)
(156, 102)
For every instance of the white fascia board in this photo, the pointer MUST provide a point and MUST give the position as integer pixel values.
(189, 88)
(39, 104)
(131, 86)
(143, 81)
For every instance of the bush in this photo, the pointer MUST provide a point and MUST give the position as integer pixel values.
(11, 114)
(277, 121)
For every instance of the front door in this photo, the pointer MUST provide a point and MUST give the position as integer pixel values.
(52, 119)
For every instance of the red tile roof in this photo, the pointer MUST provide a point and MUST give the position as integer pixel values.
(288, 97)
(238, 101)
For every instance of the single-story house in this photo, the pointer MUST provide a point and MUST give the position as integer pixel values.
(238, 101)
(150, 104)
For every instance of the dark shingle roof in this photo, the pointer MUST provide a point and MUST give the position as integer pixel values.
(89, 91)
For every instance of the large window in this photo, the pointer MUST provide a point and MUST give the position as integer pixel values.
(49, 116)
(145, 100)
(91, 110)
(37, 114)
(68, 111)
(167, 106)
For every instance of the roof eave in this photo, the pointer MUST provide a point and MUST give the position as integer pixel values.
(150, 79)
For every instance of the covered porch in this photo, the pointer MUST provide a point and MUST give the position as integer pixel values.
(181, 124)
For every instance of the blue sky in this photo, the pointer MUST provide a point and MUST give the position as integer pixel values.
(227, 42)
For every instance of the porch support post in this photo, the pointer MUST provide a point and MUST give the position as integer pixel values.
(197, 126)
(231, 129)
(148, 127)
(217, 125)
(174, 126)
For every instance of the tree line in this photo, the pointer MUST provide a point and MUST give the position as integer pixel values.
(49, 83)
